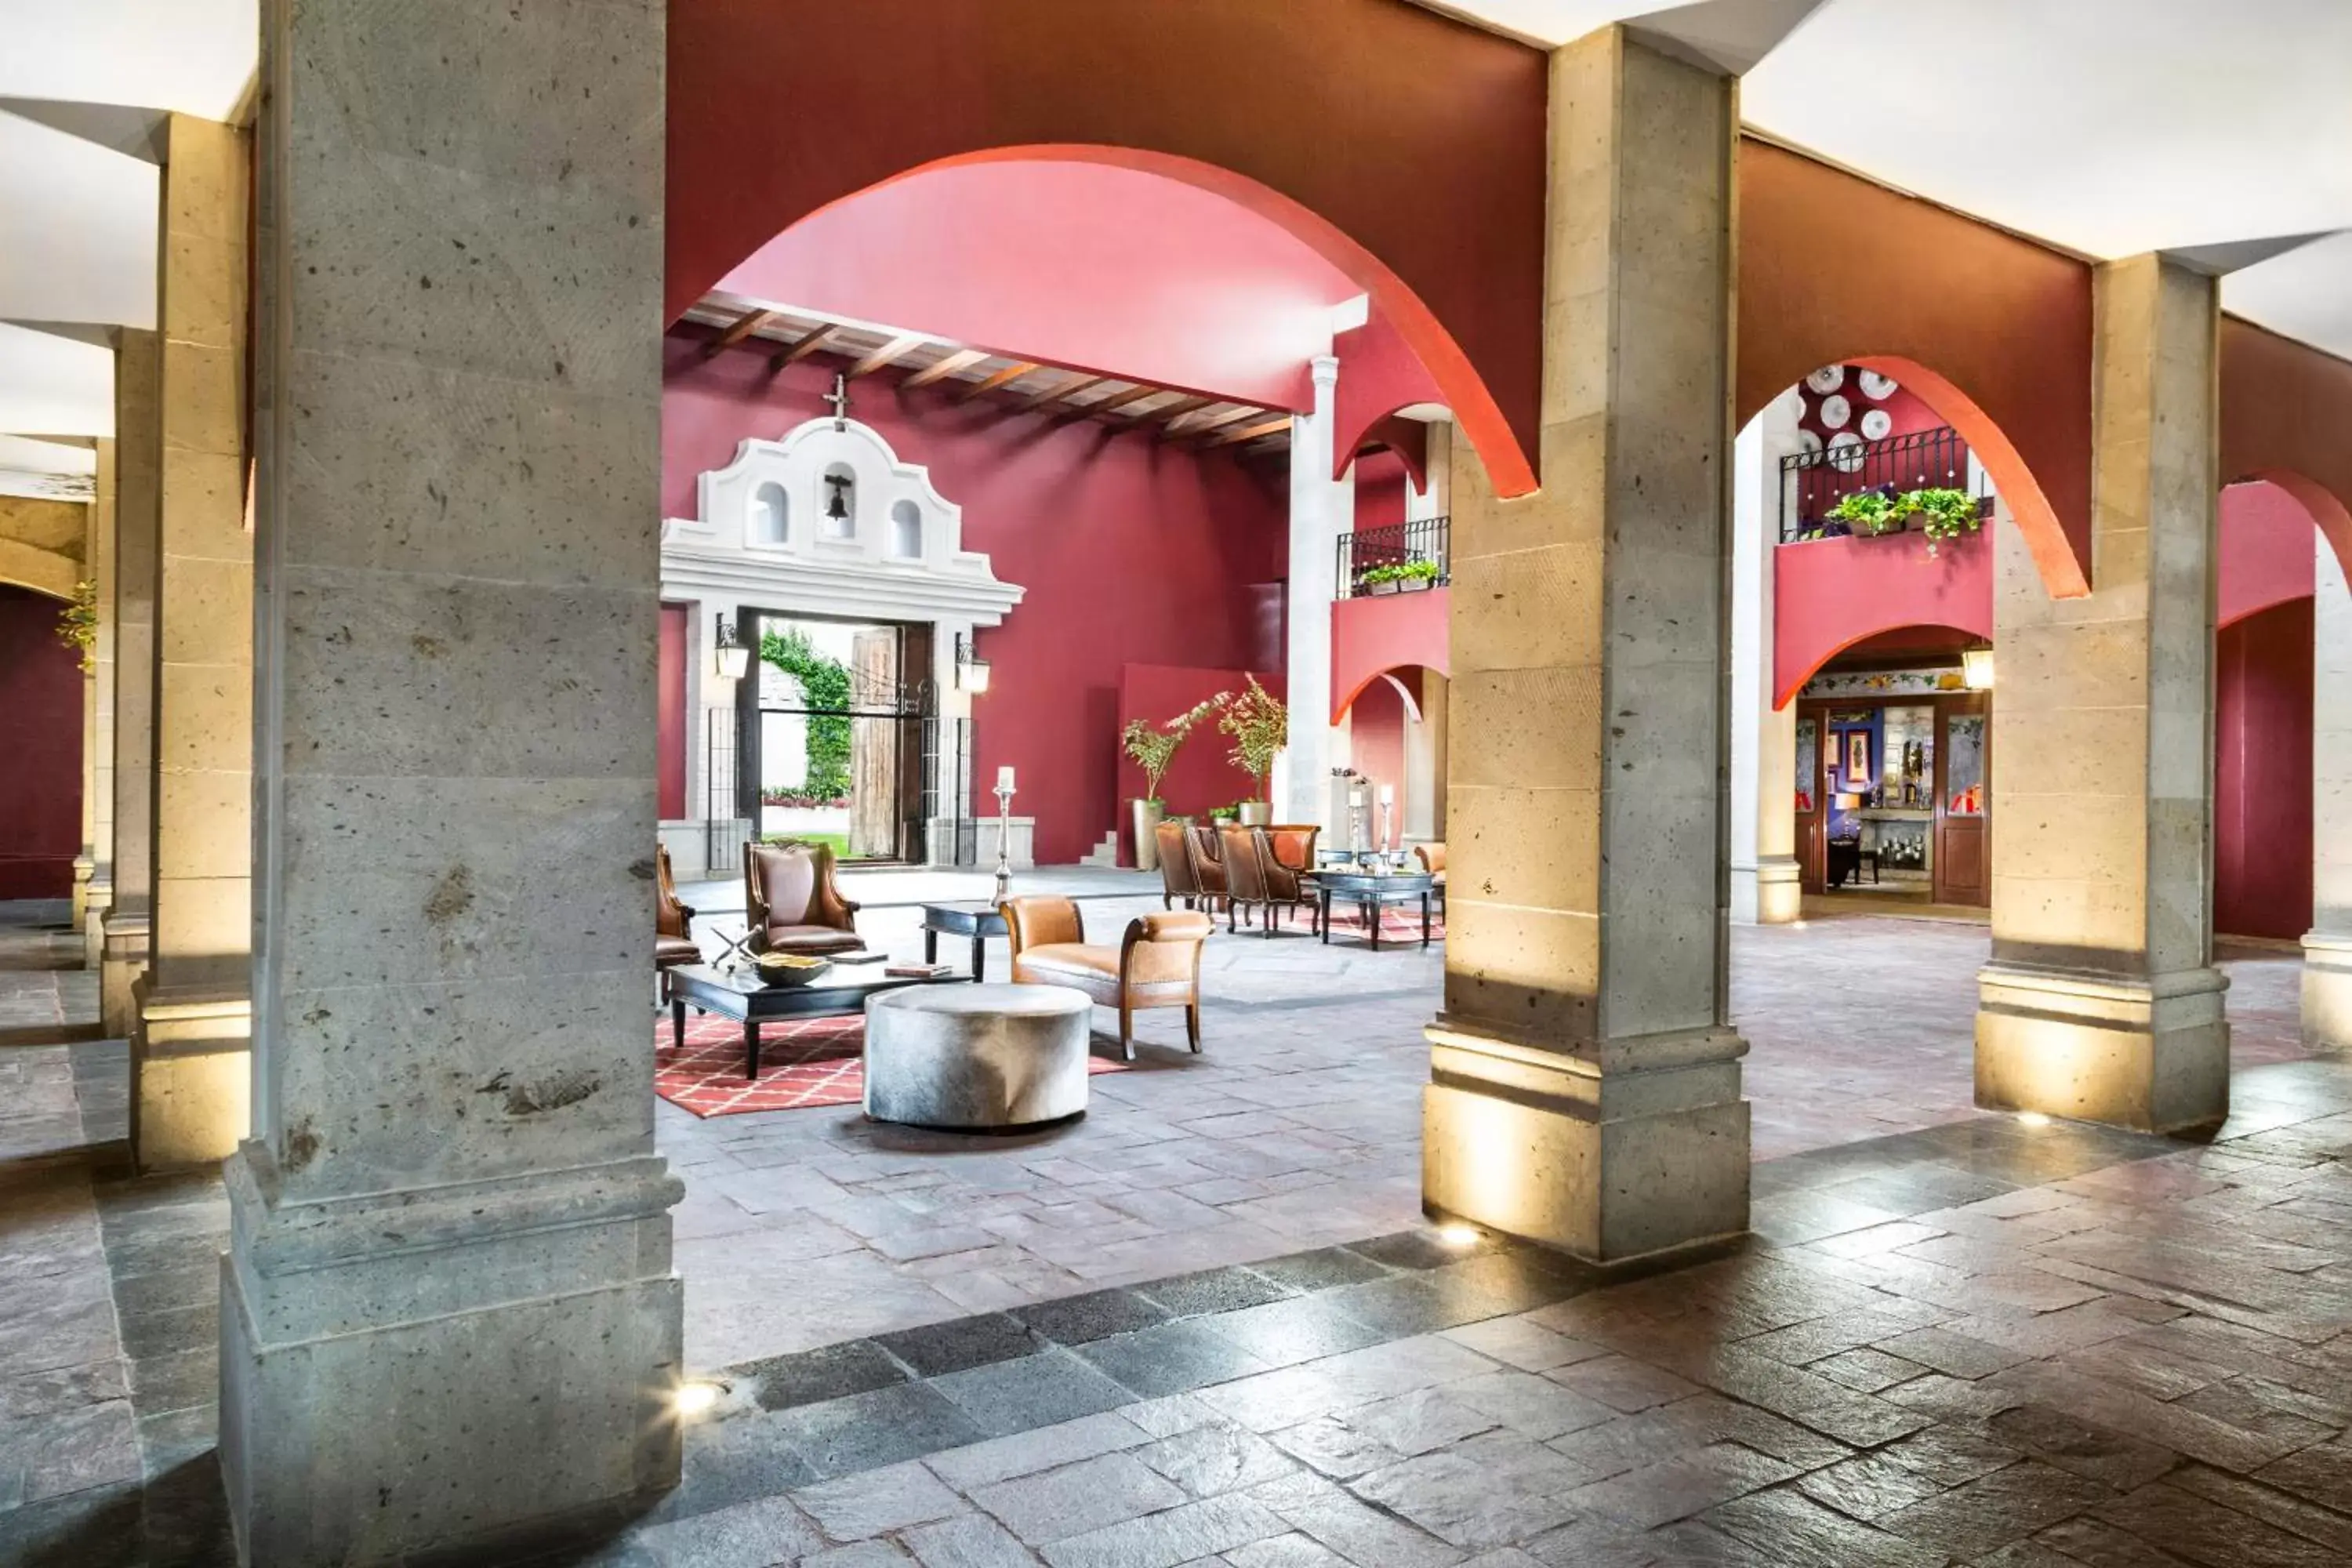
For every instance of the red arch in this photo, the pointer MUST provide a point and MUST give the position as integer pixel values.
(1316, 113)
(1831, 593)
(1834, 269)
(1394, 631)
(2286, 417)
(1798, 684)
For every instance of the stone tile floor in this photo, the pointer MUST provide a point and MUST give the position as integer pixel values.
(1978, 1341)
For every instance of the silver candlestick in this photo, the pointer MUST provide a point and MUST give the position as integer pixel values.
(1003, 844)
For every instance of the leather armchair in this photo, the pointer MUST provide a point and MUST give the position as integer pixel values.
(1432, 857)
(1177, 878)
(1286, 857)
(1207, 858)
(1255, 875)
(793, 903)
(1156, 964)
(673, 942)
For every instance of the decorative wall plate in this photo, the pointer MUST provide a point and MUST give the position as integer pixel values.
(1809, 441)
(1835, 410)
(1875, 424)
(1827, 379)
(1845, 452)
(1876, 386)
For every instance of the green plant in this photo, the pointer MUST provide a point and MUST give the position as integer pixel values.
(824, 691)
(1224, 812)
(77, 623)
(1154, 750)
(1943, 514)
(1397, 572)
(1260, 727)
(1866, 511)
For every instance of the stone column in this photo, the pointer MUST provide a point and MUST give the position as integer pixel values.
(449, 1313)
(190, 1068)
(97, 732)
(1321, 510)
(138, 452)
(1765, 890)
(1584, 1085)
(2100, 1001)
(2327, 949)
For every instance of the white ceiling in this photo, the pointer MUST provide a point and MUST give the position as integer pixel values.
(2106, 127)
(193, 56)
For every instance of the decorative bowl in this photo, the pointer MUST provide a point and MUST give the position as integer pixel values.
(789, 969)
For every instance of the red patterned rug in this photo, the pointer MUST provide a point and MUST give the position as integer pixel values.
(804, 1062)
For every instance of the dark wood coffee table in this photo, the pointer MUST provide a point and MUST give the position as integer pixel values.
(1370, 893)
(742, 996)
(978, 921)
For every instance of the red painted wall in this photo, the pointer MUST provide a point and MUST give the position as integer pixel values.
(1380, 481)
(669, 728)
(1376, 747)
(2261, 773)
(2285, 409)
(40, 749)
(1387, 631)
(1203, 775)
(1082, 264)
(1131, 551)
(2267, 547)
(1407, 147)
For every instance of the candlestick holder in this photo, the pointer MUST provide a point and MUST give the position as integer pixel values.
(1385, 809)
(1003, 844)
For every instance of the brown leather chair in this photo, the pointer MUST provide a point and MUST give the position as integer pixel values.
(1177, 878)
(1156, 964)
(673, 942)
(1242, 850)
(1294, 844)
(793, 904)
(1432, 857)
(1287, 859)
(1207, 858)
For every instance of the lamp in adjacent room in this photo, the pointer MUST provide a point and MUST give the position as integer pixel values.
(971, 671)
(1976, 669)
(734, 658)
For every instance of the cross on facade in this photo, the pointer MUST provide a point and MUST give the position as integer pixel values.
(839, 398)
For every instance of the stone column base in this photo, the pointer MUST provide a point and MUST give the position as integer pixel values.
(500, 1352)
(191, 1079)
(1769, 893)
(2327, 991)
(1639, 1149)
(2149, 1053)
(84, 868)
(123, 959)
(93, 920)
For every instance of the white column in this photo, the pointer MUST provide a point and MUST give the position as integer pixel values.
(2327, 950)
(1321, 510)
(1764, 886)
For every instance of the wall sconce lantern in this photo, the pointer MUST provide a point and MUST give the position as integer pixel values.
(1976, 669)
(972, 672)
(734, 658)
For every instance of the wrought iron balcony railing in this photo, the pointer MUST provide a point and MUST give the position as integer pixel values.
(1400, 558)
(1812, 483)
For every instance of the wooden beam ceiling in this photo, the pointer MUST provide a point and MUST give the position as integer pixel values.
(1010, 373)
(1189, 427)
(801, 347)
(1115, 401)
(1078, 381)
(742, 326)
(1249, 432)
(940, 369)
(895, 348)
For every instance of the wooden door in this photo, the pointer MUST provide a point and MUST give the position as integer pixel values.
(1963, 801)
(1807, 789)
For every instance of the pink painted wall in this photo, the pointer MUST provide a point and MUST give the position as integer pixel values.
(1379, 374)
(1091, 266)
(2267, 549)
(1132, 552)
(2262, 770)
(40, 749)
(1380, 480)
(669, 727)
(1387, 631)
(1203, 775)
(1828, 594)
(1376, 746)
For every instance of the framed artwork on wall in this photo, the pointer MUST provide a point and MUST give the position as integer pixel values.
(1857, 758)
(1834, 754)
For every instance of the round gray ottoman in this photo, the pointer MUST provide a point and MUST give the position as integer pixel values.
(977, 1058)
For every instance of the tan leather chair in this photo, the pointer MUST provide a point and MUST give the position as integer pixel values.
(1245, 889)
(793, 904)
(1156, 964)
(1177, 878)
(1432, 857)
(1287, 859)
(673, 942)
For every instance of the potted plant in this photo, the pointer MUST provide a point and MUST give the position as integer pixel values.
(1154, 750)
(1943, 514)
(1870, 513)
(1416, 576)
(1224, 814)
(1260, 727)
(1377, 580)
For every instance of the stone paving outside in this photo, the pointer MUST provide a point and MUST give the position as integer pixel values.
(1958, 1340)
